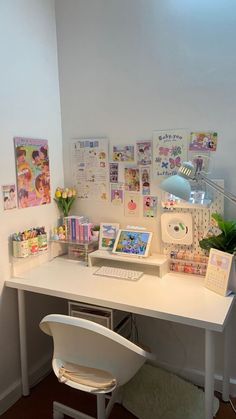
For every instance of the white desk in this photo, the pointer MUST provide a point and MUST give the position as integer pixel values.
(175, 297)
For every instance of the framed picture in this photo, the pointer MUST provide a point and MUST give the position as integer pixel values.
(132, 243)
(218, 271)
(108, 232)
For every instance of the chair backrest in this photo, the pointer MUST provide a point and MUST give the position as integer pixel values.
(89, 344)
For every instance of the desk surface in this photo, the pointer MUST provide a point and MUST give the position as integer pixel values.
(175, 297)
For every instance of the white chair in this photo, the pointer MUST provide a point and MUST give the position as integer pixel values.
(101, 359)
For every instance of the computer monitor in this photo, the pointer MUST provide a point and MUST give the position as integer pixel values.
(132, 243)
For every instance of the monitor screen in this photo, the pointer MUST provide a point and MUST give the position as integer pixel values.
(132, 243)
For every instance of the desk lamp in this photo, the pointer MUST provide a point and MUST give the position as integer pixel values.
(179, 185)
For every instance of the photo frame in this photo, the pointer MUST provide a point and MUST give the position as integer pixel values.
(107, 236)
(218, 272)
(134, 243)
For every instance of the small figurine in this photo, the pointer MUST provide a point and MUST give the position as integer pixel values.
(55, 234)
(61, 233)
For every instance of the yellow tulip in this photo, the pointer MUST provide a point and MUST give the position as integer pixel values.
(64, 195)
(58, 193)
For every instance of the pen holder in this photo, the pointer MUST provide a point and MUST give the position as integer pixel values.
(20, 249)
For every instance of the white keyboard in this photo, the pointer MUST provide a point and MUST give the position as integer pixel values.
(118, 273)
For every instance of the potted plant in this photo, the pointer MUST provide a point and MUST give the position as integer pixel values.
(64, 199)
(225, 240)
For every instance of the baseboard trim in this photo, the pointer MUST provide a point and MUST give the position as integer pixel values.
(13, 392)
(198, 377)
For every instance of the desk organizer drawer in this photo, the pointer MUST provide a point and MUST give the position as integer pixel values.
(113, 319)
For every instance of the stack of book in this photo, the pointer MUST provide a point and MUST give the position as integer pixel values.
(78, 228)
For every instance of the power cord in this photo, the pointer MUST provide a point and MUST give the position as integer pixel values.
(232, 405)
(134, 329)
(228, 402)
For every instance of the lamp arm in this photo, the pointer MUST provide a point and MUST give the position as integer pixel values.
(218, 188)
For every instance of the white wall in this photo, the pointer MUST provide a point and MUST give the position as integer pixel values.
(128, 67)
(30, 107)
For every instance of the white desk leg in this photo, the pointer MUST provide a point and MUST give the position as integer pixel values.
(226, 372)
(23, 346)
(209, 373)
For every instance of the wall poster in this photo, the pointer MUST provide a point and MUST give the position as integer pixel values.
(32, 172)
(89, 161)
(169, 151)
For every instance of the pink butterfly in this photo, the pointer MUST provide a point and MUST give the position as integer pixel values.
(164, 151)
(175, 162)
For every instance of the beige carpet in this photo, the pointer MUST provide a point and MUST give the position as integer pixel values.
(157, 394)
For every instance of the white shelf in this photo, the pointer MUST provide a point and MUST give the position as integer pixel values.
(185, 204)
(156, 263)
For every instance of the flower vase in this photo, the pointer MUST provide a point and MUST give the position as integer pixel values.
(95, 235)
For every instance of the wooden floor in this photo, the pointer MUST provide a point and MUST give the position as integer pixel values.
(39, 404)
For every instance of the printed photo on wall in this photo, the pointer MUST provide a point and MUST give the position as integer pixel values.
(107, 236)
(200, 159)
(150, 206)
(113, 172)
(169, 151)
(132, 179)
(32, 171)
(132, 204)
(144, 153)
(145, 180)
(123, 153)
(203, 141)
(89, 168)
(9, 196)
(117, 193)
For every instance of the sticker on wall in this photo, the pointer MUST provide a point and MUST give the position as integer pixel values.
(32, 172)
(123, 153)
(9, 196)
(150, 206)
(132, 204)
(169, 151)
(144, 153)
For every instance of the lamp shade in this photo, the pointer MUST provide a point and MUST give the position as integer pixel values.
(178, 186)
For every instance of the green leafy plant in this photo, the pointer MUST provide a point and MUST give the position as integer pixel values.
(96, 227)
(226, 240)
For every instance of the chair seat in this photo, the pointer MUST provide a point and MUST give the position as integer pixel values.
(98, 379)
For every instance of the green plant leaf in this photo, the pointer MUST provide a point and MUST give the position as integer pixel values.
(226, 241)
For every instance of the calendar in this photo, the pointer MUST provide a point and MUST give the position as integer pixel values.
(218, 271)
